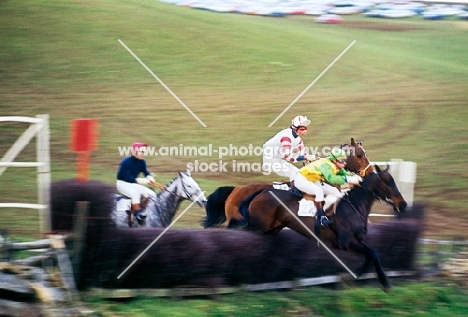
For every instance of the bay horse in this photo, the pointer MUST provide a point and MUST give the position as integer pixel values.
(223, 204)
(357, 161)
(268, 211)
(160, 210)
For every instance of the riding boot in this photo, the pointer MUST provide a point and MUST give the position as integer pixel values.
(137, 212)
(324, 221)
(144, 202)
(318, 206)
(321, 217)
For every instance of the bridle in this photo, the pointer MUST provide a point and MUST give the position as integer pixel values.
(362, 173)
(187, 196)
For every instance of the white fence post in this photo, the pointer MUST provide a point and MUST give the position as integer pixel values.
(404, 174)
(407, 180)
(43, 173)
(39, 127)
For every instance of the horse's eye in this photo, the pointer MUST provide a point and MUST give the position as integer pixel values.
(359, 156)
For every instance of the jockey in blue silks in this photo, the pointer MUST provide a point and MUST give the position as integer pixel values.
(128, 181)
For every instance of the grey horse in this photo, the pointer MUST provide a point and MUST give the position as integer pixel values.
(160, 211)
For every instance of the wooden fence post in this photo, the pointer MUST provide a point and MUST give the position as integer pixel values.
(58, 244)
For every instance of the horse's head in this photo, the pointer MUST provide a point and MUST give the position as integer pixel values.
(190, 189)
(387, 190)
(357, 158)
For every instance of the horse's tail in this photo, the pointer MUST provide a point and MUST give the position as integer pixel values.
(215, 207)
(244, 209)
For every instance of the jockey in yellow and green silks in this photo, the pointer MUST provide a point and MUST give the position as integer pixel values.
(320, 177)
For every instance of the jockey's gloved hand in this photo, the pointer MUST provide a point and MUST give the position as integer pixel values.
(142, 181)
(301, 158)
(310, 158)
(150, 179)
(353, 179)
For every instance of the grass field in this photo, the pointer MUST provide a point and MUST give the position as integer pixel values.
(401, 88)
(416, 299)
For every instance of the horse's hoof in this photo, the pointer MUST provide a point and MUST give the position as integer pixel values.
(387, 289)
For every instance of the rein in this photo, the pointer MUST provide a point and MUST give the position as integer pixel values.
(375, 197)
(354, 208)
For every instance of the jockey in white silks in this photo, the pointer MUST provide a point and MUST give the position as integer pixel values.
(128, 181)
(285, 148)
(320, 177)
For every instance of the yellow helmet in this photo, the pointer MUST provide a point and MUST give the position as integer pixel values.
(337, 155)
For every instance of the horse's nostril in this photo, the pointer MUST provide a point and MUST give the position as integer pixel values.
(402, 206)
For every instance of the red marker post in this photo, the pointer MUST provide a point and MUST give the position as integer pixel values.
(84, 135)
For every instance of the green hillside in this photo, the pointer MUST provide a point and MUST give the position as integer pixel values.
(401, 88)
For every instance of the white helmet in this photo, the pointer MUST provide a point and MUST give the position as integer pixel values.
(300, 121)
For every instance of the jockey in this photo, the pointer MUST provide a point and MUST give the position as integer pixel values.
(318, 177)
(128, 182)
(285, 148)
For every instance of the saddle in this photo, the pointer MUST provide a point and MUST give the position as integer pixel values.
(307, 204)
(281, 185)
(329, 211)
(124, 204)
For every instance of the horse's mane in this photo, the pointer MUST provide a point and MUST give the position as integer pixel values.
(168, 185)
(172, 181)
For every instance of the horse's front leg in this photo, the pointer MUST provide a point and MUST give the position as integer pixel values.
(372, 257)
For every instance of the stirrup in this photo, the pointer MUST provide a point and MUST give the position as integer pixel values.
(324, 221)
(139, 216)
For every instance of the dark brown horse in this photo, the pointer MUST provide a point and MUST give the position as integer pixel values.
(268, 211)
(223, 204)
